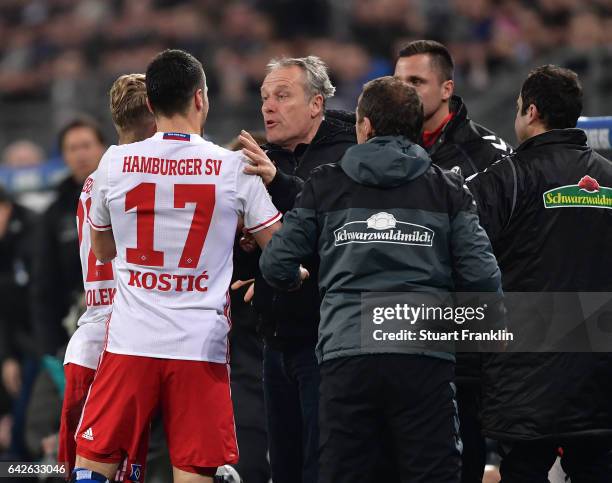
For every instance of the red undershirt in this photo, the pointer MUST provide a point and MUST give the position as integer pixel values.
(430, 137)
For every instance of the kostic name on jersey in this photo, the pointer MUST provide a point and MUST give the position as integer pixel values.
(171, 167)
(166, 282)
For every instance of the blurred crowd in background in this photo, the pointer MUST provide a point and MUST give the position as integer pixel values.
(59, 57)
(49, 43)
(55, 54)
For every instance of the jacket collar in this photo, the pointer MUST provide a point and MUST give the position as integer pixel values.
(555, 136)
(333, 125)
(429, 138)
(385, 161)
(457, 107)
(460, 115)
(69, 185)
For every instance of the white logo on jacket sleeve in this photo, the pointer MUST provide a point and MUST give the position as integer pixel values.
(383, 228)
(500, 144)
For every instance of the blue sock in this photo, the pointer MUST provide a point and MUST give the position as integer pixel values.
(83, 475)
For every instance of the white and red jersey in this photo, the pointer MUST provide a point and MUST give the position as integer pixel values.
(87, 342)
(173, 203)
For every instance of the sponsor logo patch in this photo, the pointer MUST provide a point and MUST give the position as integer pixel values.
(498, 143)
(383, 228)
(177, 136)
(586, 194)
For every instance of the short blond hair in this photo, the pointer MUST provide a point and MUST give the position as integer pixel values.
(128, 102)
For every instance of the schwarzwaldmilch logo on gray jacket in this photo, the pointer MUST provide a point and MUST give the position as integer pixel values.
(383, 228)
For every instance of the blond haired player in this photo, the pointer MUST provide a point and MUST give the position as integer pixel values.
(133, 122)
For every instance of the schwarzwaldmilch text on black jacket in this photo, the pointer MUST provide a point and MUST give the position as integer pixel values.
(290, 315)
(548, 211)
(56, 268)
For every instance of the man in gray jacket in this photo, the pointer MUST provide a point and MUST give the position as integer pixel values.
(384, 219)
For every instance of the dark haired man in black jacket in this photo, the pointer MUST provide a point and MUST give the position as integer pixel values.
(547, 209)
(301, 135)
(56, 273)
(450, 137)
(453, 140)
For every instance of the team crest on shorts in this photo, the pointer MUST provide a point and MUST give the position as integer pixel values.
(135, 473)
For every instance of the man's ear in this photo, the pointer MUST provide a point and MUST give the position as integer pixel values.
(368, 129)
(151, 127)
(533, 115)
(448, 88)
(149, 107)
(316, 105)
(199, 99)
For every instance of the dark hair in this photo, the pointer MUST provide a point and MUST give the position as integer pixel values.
(78, 122)
(439, 55)
(172, 78)
(393, 107)
(557, 94)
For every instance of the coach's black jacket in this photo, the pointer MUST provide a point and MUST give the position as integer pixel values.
(335, 135)
(56, 277)
(287, 316)
(548, 211)
(466, 144)
(383, 189)
(472, 148)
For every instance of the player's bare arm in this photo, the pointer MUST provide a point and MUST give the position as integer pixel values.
(103, 245)
(262, 237)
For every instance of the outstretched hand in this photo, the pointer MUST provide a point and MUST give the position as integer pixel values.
(304, 274)
(248, 296)
(260, 165)
(247, 242)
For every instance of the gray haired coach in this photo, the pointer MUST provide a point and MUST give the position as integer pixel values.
(384, 219)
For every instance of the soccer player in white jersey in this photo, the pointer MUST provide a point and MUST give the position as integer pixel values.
(168, 208)
(133, 122)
